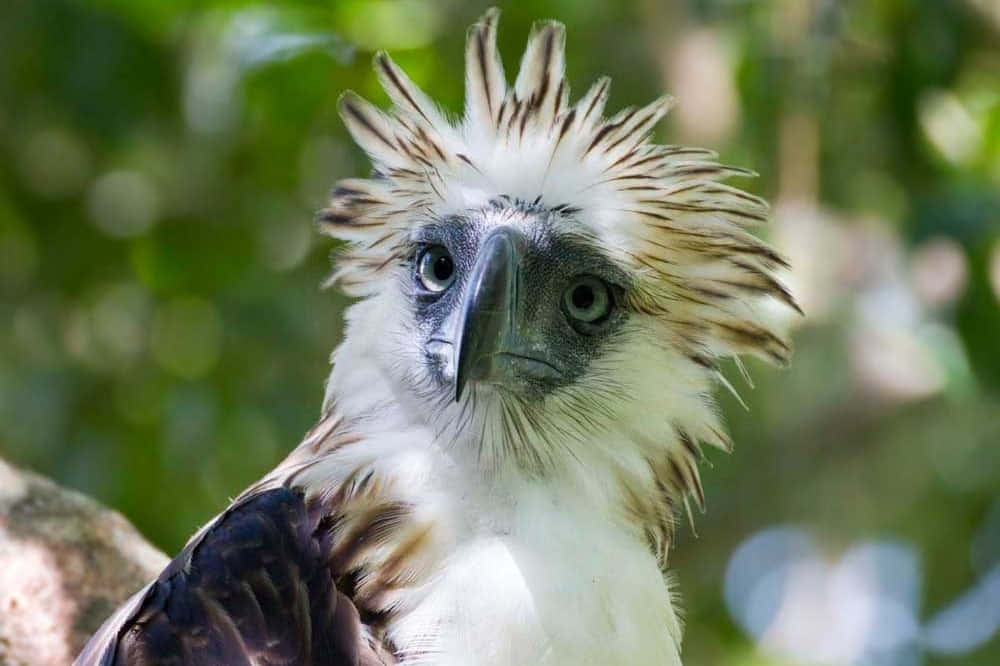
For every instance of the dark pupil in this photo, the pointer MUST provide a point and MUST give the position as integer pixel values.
(443, 267)
(583, 297)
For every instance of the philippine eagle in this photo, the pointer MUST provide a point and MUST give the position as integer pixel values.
(515, 416)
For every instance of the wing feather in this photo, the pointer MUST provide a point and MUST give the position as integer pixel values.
(254, 587)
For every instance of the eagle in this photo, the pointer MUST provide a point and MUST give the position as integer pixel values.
(516, 414)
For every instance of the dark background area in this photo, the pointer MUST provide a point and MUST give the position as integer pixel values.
(164, 340)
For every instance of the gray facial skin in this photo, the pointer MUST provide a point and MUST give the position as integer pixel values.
(506, 317)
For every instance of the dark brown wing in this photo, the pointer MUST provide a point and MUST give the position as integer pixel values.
(254, 588)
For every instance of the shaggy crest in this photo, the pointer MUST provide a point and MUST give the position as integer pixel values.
(660, 211)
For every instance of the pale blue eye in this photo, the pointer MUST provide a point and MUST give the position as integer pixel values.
(435, 269)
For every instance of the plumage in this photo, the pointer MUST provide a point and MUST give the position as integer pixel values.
(517, 412)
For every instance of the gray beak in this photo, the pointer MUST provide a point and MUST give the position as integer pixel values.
(487, 326)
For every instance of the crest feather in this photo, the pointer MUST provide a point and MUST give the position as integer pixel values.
(371, 129)
(540, 84)
(590, 108)
(405, 94)
(485, 82)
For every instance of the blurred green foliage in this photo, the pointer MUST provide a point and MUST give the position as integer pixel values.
(164, 341)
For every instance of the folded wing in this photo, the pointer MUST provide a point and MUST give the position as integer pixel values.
(255, 587)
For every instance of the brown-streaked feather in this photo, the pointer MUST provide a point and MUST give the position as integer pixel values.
(266, 581)
(485, 83)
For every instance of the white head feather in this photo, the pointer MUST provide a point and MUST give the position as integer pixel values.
(658, 211)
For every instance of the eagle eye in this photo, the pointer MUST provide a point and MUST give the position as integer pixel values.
(587, 302)
(435, 269)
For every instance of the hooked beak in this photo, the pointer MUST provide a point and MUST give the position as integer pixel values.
(490, 307)
(496, 344)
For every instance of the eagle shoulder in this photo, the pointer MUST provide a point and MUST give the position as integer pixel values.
(254, 587)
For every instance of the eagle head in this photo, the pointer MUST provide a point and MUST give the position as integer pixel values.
(541, 283)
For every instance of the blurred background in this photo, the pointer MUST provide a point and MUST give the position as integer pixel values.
(164, 340)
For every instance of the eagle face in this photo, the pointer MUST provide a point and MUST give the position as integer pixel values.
(512, 299)
(514, 321)
(536, 276)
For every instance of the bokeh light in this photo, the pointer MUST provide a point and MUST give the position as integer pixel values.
(54, 162)
(123, 203)
(804, 605)
(186, 336)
